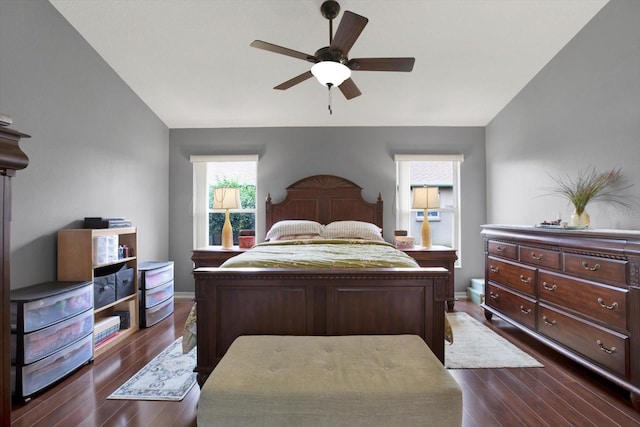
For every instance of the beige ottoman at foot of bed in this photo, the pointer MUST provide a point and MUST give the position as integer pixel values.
(373, 380)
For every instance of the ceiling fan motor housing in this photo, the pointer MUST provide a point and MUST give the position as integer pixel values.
(327, 54)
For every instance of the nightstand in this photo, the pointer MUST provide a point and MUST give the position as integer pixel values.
(213, 256)
(437, 256)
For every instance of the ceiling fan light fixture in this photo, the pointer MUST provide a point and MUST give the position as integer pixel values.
(330, 72)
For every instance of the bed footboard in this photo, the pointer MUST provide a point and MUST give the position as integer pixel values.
(259, 301)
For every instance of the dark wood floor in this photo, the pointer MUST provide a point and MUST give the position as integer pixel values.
(560, 394)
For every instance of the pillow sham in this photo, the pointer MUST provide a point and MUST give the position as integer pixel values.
(298, 237)
(291, 227)
(352, 230)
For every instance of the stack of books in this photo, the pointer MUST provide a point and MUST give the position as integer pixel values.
(106, 222)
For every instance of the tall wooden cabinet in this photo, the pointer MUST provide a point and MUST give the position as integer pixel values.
(76, 262)
(578, 291)
(11, 159)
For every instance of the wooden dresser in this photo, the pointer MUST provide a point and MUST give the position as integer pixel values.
(574, 290)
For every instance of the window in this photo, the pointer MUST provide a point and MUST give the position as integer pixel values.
(210, 172)
(442, 171)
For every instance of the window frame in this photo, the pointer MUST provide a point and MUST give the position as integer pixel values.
(403, 212)
(200, 199)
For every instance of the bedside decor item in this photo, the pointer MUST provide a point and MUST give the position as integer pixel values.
(226, 198)
(590, 185)
(246, 239)
(426, 198)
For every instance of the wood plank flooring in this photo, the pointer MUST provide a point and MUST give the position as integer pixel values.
(560, 394)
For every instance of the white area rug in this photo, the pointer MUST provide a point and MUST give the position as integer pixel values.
(477, 346)
(169, 376)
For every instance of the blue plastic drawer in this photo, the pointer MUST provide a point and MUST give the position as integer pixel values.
(44, 312)
(34, 377)
(158, 294)
(46, 341)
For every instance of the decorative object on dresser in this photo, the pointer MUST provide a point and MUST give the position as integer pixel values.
(577, 291)
(156, 291)
(12, 158)
(114, 278)
(52, 334)
(226, 198)
(590, 186)
(426, 198)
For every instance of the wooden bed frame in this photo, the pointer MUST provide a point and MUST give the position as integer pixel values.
(275, 301)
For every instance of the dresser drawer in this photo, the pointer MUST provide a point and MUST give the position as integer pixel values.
(598, 269)
(542, 257)
(516, 307)
(603, 346)
(605, 304)
(505, 250)
(510, 274)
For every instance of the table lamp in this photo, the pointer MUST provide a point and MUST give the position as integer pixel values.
(426, 198)
(226, 198)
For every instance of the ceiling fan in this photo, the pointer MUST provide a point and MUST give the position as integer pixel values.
(332, 67)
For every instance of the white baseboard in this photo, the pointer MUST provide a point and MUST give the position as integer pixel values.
(184, 295)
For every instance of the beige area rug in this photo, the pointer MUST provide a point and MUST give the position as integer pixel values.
(477, 346)
(169, 376)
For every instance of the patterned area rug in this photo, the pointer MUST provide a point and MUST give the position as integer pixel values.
(477, 346)
(169, 376)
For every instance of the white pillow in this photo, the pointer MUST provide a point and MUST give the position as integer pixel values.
(290, 227)
(352, 230)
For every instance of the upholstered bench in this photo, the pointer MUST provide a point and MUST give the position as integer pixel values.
(375, 380)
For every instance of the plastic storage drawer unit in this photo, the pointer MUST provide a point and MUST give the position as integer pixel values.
(156, 291)
(51, 334)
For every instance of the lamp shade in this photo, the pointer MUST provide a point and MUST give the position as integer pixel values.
(226, 198)
(426, 198)
(330, 72)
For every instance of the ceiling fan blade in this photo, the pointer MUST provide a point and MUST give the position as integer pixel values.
(282, 50)
(349, 89)
(351, 25)
(294, 81)
(381, 64)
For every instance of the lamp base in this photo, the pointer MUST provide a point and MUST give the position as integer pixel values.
(227, 233)
(425, 232)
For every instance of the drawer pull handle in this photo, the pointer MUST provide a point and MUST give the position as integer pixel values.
(523, 280)
(494, 296)
(546, 320)
(500, 249)
(538, 257)
(549, 288)
(605, 349)
(523, 311)
(596, 267)
(608, 307)
(494, 269)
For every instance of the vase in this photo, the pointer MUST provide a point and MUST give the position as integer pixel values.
(580, 220)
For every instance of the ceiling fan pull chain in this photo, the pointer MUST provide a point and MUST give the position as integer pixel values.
(329, 85)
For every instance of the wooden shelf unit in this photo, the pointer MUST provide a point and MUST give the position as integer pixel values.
(75, 262)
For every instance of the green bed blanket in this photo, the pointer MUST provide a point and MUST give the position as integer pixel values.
(322, 253)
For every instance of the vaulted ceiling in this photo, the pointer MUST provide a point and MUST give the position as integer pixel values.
(191, 63)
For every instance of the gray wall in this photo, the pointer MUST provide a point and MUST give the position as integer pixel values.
(363, 155)
(582, 109)
(95, 148)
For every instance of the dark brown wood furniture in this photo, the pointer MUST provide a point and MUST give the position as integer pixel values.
(213, 256)
(437, 256)
(244, 301)
(577, 291)
(11, 159)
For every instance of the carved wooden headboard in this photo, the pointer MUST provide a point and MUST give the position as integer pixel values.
(324, 198)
